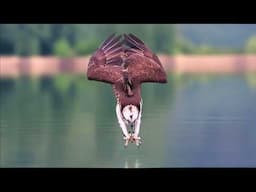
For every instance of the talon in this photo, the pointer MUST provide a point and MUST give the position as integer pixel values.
(137, 140)
(127, 138)
(126, 142)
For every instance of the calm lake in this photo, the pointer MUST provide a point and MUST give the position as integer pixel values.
(68, 121)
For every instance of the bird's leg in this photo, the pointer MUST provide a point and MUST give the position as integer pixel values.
(137, 127)
(131, 132)
(137, 130)
(122, 125)
(127, 136)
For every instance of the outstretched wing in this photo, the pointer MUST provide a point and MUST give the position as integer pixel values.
(143, 65)
(105, 63)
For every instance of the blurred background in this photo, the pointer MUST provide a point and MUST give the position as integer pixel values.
(52, 116)
(81, 39)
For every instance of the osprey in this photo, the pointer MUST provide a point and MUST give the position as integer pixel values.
(125, 62)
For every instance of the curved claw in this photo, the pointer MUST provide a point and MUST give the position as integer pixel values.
(126, 143)
(127, 139)
(132, 139)
(138, 140)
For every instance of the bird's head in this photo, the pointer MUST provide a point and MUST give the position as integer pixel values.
(130, 113)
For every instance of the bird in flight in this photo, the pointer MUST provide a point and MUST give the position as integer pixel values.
(125, 62)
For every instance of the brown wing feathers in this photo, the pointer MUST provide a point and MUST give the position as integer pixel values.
(138, 47)
(105, 63)
(146, 67)
(108, 59)
(109, 52)
(134, 42)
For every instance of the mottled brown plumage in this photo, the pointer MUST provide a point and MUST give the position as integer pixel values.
(125, 64)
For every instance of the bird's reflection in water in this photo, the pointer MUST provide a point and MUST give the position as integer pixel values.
(132, 164)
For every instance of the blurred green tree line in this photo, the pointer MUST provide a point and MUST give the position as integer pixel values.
(77, 39)
(82, 39)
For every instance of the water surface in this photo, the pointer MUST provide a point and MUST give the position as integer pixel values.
(68, 121)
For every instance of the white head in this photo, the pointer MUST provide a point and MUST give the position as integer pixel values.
(130, 113)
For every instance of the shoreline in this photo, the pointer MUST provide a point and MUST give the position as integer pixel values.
(15, 66)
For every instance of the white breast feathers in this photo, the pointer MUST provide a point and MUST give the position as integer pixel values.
(130, 113)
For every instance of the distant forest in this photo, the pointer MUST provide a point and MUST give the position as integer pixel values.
(218, 35)
(82, 39)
